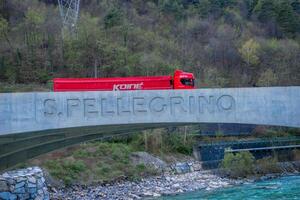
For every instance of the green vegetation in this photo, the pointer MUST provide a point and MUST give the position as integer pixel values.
(6, 87)
(97, 162)
(224, 43)
(110, 161)
(272, 132)
(238, 164)
(267, 165)
(243, 164)
(296, 155)
(162, 141)
(67, 170)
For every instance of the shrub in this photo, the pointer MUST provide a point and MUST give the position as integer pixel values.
(81, 153)
(65, 170)
(238, 164)
(176, 143)
(296, 154)
(267, 165)
(158, 141)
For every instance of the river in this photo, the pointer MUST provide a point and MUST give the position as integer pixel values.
(287, 187)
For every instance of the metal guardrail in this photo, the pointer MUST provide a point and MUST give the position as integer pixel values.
(212, 153)
(262, 148)
(273, 140)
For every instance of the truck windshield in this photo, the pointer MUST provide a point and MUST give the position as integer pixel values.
(187, 81)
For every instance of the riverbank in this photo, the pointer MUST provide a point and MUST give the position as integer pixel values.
(147, 188)
(166, 185)
(280, 188)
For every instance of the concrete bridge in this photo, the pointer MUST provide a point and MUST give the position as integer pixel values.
(36, 123)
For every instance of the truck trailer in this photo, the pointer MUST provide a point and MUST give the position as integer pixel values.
(180, 80)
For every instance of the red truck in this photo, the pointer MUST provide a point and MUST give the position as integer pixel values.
(180, 80)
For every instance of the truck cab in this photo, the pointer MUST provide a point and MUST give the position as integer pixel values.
(183, 80)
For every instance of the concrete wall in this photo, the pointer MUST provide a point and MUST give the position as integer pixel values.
(28, 112)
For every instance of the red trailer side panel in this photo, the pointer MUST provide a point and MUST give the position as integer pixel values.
(109, 84)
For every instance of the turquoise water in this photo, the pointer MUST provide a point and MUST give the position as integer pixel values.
(281, 188)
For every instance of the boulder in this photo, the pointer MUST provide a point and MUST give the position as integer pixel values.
(7, 196)
(3, 186)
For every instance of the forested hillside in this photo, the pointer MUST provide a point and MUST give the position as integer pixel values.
(225, 43)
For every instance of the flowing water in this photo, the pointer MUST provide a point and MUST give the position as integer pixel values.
(282, 188)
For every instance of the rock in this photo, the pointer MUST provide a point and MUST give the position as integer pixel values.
(53, 189)
(23, 196)
(176, 185)
(32, 190)
(20, 179)
(39, 197)
(40, 183)
(7, 196)
(47, 196)
(197, 166)
(179, 191)
(32, 196)
(3, 186)
(134, 196)
(19, 185)
(40, 191)
(10, 181)
(147, 194)
(24, 184)
(19, 190)
(5, 175)
(156, 195)
(180, 168)
(168, 178)
(148, 160)
(147, 187)
(31, 185)
(37, 170)
(31, 179)
(11, 187)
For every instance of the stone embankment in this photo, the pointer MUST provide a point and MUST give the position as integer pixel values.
(149, 187)
(23, 184)
(175, 178)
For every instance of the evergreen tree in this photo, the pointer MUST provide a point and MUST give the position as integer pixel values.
(265, 10)
(286, 17)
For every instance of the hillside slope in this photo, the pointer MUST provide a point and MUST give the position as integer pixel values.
(225, 43)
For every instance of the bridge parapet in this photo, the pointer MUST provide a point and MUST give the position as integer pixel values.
(29, 112)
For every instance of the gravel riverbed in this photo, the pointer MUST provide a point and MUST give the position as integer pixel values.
(146, 188)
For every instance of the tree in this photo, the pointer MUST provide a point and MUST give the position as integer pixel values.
(3, 28)
(239, 164)
(286, 18)
(174, 7)
(204, 8)
(265, 10)
(249, 52)
(267, 78)
(210, 38)
(113, 18)
(8, 72)
(4, 32)
(296, 5)
(214, 78)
